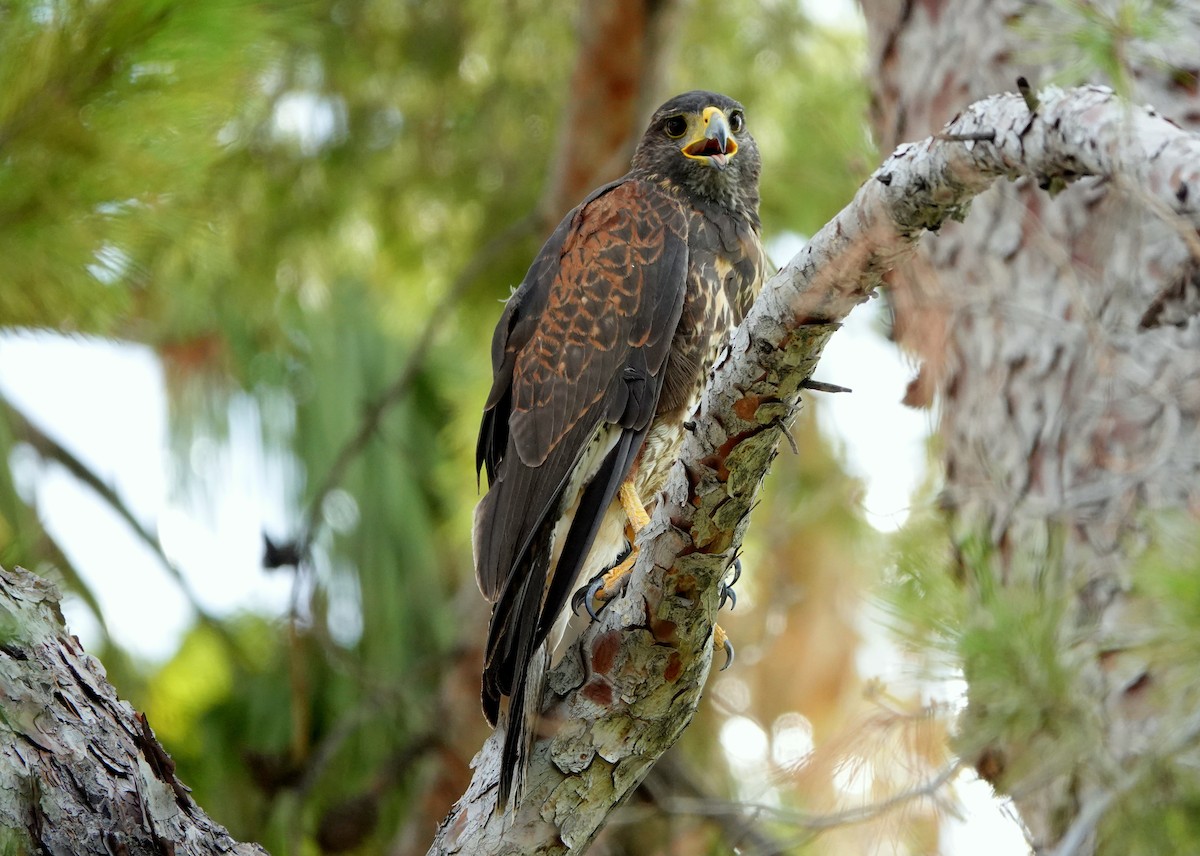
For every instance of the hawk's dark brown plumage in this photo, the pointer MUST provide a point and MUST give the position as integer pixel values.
(599, 358)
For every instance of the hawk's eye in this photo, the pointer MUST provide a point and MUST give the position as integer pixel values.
(737, 121)
(676, 127)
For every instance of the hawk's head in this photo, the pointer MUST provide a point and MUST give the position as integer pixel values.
(699, 141)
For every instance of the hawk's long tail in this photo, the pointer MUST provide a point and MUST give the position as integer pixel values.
(521, 727)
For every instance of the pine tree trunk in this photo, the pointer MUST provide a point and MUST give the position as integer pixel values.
(1060, 337)
(81, 773)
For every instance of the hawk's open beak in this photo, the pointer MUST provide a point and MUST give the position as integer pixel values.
(716, 143)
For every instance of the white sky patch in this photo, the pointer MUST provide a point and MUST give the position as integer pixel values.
(877, 656)
(110, 265)
(103, 401)
(839, 14)
(791, 739)
(106, 403)
(309, 120)
(744, 741)
(988, 826)
(881, 440)
(747, 747)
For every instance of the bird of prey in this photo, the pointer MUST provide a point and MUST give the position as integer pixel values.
(599, 359)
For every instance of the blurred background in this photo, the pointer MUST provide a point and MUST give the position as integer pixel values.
(251, 257)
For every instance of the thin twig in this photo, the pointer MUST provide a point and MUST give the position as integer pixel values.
(822, 386)
(672, 778)
(1030, 97)
(971, 137)
(811, 821)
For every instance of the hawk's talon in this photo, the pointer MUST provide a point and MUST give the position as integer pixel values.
(604, 587)
(585, 595)
(578, 598)
(721, 638)
(593, 594)
(727, 592)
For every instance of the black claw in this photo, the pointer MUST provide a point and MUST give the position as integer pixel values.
(585, 595)
(728, 655)
(592, 591)
(727, 592)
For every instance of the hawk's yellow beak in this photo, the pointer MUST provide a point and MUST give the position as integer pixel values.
(712, 140)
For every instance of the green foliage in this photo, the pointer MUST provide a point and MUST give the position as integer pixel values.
(1091, 42)
(18, 525)
(195, 680)
(1026, 719)
(86, 189)
(928, 603)
(13, 843)
(382, 563)
(1160, 815)
(950, 607)
(1169, 573)
(1022, 690)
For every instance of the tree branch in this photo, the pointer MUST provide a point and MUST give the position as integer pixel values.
(80, 771)
(674, 786)
(624, 693)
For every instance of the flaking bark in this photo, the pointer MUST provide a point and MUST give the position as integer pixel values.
(632, 683)
(81, 772)
(1061, 340)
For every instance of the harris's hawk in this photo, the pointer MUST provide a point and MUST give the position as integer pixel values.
(599, 358)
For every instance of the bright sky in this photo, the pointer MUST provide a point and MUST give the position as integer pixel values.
(834, 13)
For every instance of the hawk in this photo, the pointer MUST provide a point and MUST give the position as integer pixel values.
(599, 358)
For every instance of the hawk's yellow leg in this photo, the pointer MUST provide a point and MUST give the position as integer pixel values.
(611, 583)
(638, 518)
(632, 503)
(721, 642)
